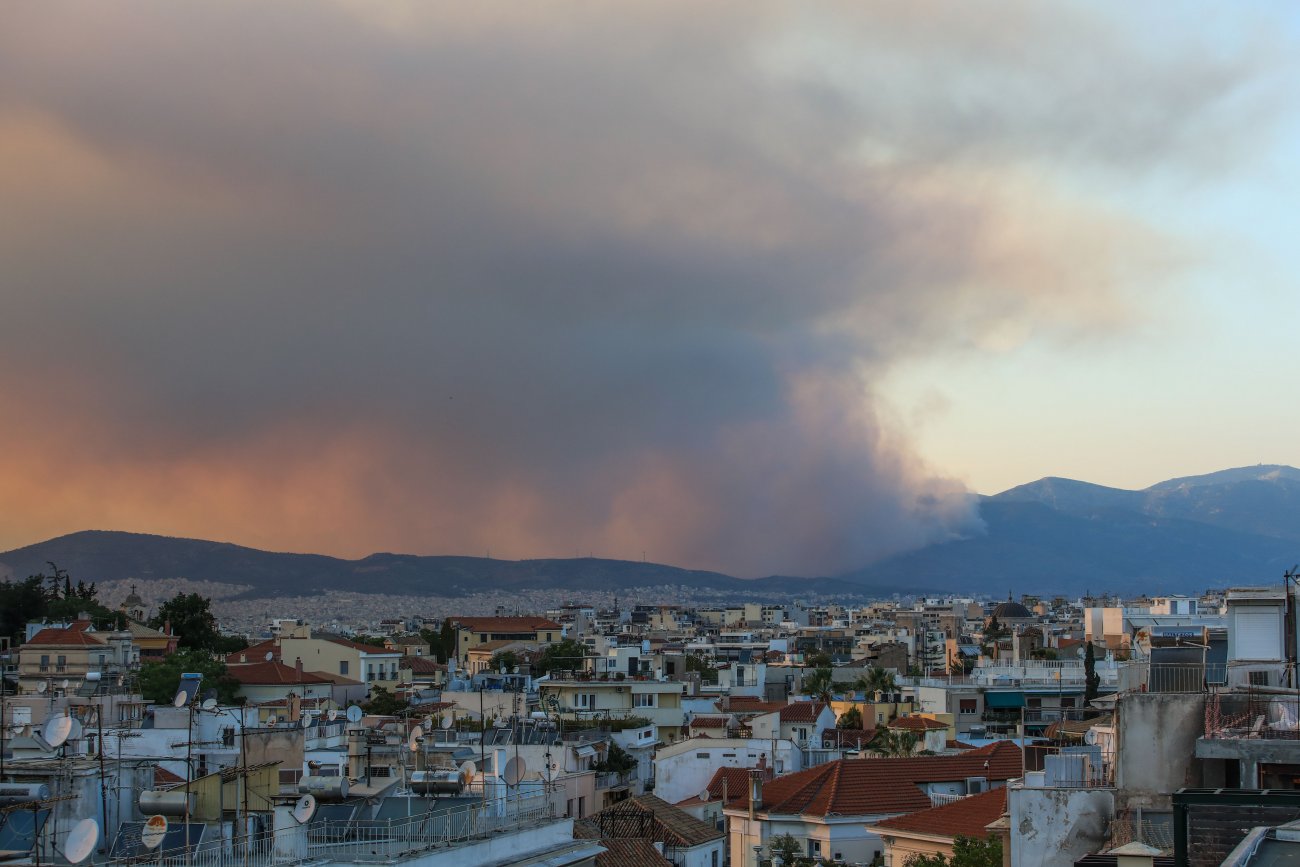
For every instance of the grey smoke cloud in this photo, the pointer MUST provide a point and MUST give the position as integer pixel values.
(551, 279)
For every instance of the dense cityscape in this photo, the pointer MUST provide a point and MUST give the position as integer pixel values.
(933, 731)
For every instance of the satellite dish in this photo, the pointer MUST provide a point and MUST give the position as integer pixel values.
(446, 722)
(270, 655)
(65, 684)
(428, 723)
(77, 730)
(354, 714)
(153, 832)
(1090, 737)
(515, 770)
(467, 773)
(41, 687)
(56, 731)
(209, 704)
(416, 738)
(332, 715)
(304, 809)
(81, 841)
(180, 699)
(704, 795)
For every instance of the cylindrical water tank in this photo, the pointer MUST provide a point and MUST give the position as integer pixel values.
(21, 793)
(324, 788)
(166, 803)
(440, 782)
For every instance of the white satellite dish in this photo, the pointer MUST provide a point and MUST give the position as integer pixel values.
(56, 730)
(181, 699)
(355, 714)
(81, 841)
(65, 684)
(428, 723)
(304, 809)
(1090, 737)
(468, 772)
(270, 655)
(41, 687)
(153, 832)
(209, 704)
(416, 738)
(332, 715)
(515, 770)
(77, 730)
(704, 795)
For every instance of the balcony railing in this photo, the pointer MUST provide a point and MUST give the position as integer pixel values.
(1252, 715)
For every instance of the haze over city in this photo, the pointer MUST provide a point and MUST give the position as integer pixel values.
(763, 288)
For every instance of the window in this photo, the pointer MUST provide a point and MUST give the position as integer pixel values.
(967, 706)
(814, 848)
(702, 756)
(582, 806)
(370, 671)
(45, 662)
(343, 667)
(643, 699)
(1067, 701)
(1033, 703)
(1257, 678)
(715, 858)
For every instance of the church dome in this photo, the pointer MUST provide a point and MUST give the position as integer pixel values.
(1011, 610)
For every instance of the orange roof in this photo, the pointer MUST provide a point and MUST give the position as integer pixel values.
(858, 787)
(750, 706)
(965, 817)
(272, 672)
(505, 624)
(802, 711)
(630, 853)
(357, 645)
(710, 722)
(254, 653)
(917, 724)
(77, 634)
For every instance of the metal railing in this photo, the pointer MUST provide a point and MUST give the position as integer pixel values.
(1253, 715)
(364, 840)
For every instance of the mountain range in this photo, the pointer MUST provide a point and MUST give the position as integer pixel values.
(1237, 526)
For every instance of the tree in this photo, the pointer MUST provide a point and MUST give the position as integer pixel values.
(568, 655)
(697, 663)
(506, 659)
(159, 680)
(966, 852)
(850, 719)
(819, 659)
(617, 760)
(42, 598)
(1091, 679)
(369, 640)
(442, 643)
(384, 703)
(819, 685)
(191, 619)
(876, 679)
(894, 744)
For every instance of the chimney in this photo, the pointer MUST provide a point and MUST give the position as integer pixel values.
(297, 667)
(755, 791)
(762, 762)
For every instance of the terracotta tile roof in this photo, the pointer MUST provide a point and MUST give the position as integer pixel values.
(272, 672)
(672, 826)
(750, 708)
(77, 634)
(630, 853)
(917, 724)
(856, 787)
(966, 817)
(422, 665)
(165, 779)
(357, 645)
(505, 624)
(847, 737)
(959, 745)
(736, 784)
(254, 653)
(710, 722)
(802, 711)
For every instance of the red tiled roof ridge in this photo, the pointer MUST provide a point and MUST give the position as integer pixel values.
(964, 817)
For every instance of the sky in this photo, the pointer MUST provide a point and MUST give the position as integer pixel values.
(768, 288)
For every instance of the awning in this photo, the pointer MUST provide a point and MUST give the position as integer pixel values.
(1004, 699)
(584, 751)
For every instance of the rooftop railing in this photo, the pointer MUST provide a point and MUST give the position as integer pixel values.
(1253, 715)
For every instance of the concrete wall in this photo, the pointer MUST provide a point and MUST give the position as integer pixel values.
(1055, 827)
(1157, 734)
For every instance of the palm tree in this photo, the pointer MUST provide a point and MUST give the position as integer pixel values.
(893, 744)
(876, 680)
(819, 684)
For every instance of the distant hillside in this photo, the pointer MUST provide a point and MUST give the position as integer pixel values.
(1239, 526)
(96, 555)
